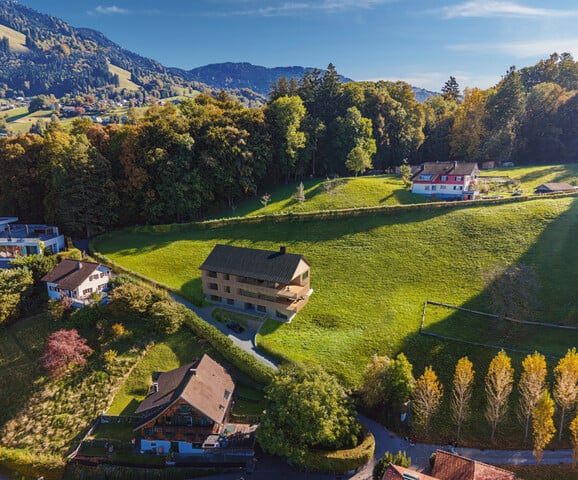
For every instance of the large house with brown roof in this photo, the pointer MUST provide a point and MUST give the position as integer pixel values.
(395, 472)
(260, 282)
(446, 180)
(553, 187)
(187, 409)
(77, 280)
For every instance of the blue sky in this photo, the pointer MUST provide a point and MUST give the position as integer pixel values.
(420, 41)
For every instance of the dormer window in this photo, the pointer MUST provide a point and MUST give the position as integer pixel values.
(459, 179)
(227, 394)
(444, 178)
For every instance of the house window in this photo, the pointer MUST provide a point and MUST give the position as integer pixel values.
(460, 188)
(52, 288)
(433, 187)
(444, 178)
(168, 420)
(305, 275)
(213, 286)
(230, 301)
(227, 394)
(281, 315)
(215, 298)
(226, 276)
(443, 187)
(102, 274)
(86, 291)
(426, 188)
(213, 274)
(249, 306)
(458, 179)
(227, 289)
(261, 308)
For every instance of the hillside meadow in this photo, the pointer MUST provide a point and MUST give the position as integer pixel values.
(372, 274)
(382, 190)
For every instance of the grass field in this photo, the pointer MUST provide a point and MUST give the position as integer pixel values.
(373, 191)
(124, 77)
(16, 40)
(372, 274)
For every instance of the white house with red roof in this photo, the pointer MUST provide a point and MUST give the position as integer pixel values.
(77, 280)
(447, 180)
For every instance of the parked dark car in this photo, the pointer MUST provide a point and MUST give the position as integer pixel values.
(235, 327)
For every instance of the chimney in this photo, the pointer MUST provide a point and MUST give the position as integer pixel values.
(155, 387)
(193, 371)
(455, 164)
(283, 250)
(79, 265)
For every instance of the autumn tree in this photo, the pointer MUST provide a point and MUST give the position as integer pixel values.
(64, 349)
(499, 380)
(531, 386)
(427, 397)
(462, 392)
(285, 116)
(306, 408)
(574, 438)
(468, 129)
(566, 386)
(543, 424)
(374, 381)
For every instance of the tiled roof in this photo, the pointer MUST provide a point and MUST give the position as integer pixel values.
(446, 168)
(203, 385)
(395, 472)
(69, 274)
(253, 263)
(450, 466)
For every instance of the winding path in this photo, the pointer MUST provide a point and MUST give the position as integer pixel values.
(385, 440)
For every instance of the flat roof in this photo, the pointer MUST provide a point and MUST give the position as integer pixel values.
(19, 232)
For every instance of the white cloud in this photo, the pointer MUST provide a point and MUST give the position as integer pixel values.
(521, 49)
(434, 80)
(492, 8)
(112, 10)
(289, 8)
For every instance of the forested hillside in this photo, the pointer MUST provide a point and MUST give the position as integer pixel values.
(59, 59)
(178, 162)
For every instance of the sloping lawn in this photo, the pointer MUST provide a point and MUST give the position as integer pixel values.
(372, 274)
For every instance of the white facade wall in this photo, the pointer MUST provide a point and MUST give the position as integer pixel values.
(97, 282)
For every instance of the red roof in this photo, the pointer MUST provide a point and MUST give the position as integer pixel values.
(450, 466)
(395, 472)
(435, 169)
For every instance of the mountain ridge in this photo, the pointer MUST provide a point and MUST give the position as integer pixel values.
(42, 55)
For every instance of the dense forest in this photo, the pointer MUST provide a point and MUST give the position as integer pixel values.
(177, 162)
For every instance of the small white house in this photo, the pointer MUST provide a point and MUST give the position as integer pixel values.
(77, 280)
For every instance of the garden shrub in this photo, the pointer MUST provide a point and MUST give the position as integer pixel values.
(400, 458)
(341, 461)
(31, 464)
(166, 316)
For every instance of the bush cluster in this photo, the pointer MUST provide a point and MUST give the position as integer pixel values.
(30, 464)
(341, 461)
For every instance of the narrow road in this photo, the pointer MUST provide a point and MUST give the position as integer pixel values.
(245, 340)
(385, 440)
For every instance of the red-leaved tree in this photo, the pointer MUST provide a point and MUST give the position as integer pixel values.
(64, 349)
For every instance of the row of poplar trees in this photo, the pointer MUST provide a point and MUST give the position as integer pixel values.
(389, 384)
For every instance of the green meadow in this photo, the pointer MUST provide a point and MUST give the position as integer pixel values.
(372, 274)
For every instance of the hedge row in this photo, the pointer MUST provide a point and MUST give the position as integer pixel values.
(75, 471)
(341, 461)
(31, 464)
(241, 359)
(326, 214)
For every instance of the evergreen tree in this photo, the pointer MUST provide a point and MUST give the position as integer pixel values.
(451, 89)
